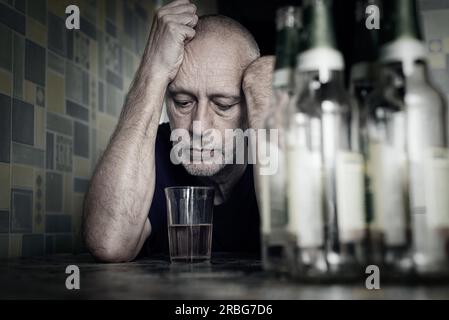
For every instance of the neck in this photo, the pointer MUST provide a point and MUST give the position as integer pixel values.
(224, 181)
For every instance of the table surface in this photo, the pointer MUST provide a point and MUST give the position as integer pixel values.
(225, 277)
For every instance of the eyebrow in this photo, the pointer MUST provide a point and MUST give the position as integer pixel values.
(224, 95)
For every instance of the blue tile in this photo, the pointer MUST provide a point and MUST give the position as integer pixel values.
(32, 245)
(63, 243)
(69, 37)
(40, 96)
(75, 110)
(57, 35)
(100, 96)
(59, 124)
(22, 122)
(35, 63)
(50, 150)
(37, 9)
(81, 142)
(22, 211)
(114, 79)
(18, 65)
(13, 19)
(88, 28)
(111, 10)
(56, 63)
(6, 51)
(76, 84)
(53, 194)
(111, 29)
(5, 128)
(80, 185)
(58, 223)
(4, 246)
(4, 221)
(23, 154)
(20, 5)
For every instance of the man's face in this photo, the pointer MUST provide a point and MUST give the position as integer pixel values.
(207, 91)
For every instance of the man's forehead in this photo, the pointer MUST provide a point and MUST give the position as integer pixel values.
(207, 74)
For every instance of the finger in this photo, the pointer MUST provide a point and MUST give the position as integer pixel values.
(184, 8)
(175, 3)
(182, 19)
(187, 32)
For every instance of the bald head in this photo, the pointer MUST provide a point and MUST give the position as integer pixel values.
(227, 30)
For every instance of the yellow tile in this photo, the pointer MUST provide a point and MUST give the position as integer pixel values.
(93, 57)
(39, 201)
(102, 139)
(55, 95)
(22, 176)
(5, 186)
(39, 127)
(36, 32)
(446, 45)
(15, 245)
(68, 193)
(101, 11)
(106, 122)
(119, 15)
(30, 92)
(437, 60)
(57, 7)
(82, 167)
(5, 82)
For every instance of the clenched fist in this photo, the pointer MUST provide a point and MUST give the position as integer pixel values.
(257, 87)
(173, 26)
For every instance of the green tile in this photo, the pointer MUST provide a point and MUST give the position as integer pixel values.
(56, 63)
(23, 154)
(59, 124)
(6, 50)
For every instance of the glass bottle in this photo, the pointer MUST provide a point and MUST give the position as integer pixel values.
(325, 186)
(427, 145)
(274, 215)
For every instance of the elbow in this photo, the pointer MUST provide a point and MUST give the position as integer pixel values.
(104, 248)
(107, 252)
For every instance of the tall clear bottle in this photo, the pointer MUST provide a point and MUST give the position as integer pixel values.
(386, 157)
(362, 83)
(427, 145)
(272, 180)
(325, 186)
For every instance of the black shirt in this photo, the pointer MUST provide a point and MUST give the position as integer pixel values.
(235, 222)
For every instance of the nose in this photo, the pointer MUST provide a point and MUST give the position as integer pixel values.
(201, 120)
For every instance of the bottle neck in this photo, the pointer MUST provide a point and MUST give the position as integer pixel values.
(319, 25)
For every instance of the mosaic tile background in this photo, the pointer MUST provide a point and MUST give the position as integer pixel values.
(60, 94)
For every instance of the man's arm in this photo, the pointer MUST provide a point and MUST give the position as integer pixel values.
(257, 87)
(115, 219)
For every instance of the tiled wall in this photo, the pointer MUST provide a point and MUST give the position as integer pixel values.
(60, 94)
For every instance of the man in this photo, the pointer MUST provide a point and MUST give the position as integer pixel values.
(209, 70)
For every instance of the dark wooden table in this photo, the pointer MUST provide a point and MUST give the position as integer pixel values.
(224, 278)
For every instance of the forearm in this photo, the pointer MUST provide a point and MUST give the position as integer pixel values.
(120, 195)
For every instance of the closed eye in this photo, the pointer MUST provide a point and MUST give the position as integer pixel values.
(183, 104)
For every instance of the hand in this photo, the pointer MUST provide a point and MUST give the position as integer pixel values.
(257, 87)
(172, 28)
